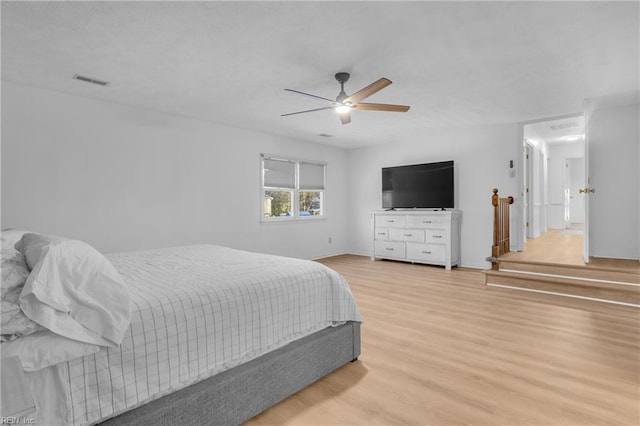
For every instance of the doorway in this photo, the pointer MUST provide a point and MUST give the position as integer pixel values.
(553, 173)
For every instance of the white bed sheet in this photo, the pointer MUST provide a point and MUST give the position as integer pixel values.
(196, 311)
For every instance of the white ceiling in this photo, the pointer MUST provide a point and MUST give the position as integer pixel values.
(560, 131)
(455, 63)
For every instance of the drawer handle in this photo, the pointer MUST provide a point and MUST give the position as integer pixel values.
(390, 221)
(437, 236)
(382, 233)
(426, 252)
(407, 235)
(426, 221)
(389, 249)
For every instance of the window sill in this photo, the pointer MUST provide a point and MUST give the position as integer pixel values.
(291, 219)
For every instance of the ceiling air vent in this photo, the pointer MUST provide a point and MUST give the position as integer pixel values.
(565, 125)
(91, 80)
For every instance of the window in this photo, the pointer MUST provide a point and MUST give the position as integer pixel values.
(292, 189)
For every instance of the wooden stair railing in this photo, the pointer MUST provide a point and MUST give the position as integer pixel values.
(500, 227)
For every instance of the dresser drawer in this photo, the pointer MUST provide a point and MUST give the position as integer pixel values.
(391, 221)
(382, 234)
(427, 221)
(390, 249)
(416, 235)
(438, 236)
(426, 252)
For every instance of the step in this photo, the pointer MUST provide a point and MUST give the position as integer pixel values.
(583, 271)
(589, 288)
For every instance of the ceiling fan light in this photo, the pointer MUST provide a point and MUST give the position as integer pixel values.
(343, 108)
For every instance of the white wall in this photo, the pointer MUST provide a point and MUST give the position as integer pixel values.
(558, 153)
(123, 178)
(614, 216)
(481, 155)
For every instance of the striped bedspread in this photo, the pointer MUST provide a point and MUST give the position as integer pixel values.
(196, 311)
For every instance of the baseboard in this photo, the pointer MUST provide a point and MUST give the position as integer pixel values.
(616, 257)
(480, 266)
(324, 256)
(358, 253)
(351, 253)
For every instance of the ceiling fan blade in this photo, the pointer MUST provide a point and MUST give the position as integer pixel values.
(309, 110)
(368, 91)
(313, 96)
(382, 107)
(345, 117)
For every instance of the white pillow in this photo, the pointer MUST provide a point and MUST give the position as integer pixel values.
(8, 237)
(46, 348)
(15, 271)
(31, 244)
(73, 290)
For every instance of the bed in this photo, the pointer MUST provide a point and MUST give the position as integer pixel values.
(214, 335)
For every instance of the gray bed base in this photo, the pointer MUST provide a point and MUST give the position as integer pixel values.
(238, 394)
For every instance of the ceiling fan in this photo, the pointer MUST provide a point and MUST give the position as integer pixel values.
(344, 103)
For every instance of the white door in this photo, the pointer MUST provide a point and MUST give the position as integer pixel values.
(575, 182)
(588, 111)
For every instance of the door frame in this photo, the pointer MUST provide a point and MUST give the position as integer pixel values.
(587, 110)
(542, 191)
(527, 189)
(519, 218)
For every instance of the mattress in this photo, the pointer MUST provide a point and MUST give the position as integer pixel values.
(196, 311)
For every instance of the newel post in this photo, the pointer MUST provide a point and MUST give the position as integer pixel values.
(500, 227)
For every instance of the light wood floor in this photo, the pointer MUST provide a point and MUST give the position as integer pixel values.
(552, 246)
(441, 348)
(557, 246)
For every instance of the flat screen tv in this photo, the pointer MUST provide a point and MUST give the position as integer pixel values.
(428, 185)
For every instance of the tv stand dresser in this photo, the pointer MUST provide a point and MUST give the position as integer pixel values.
(417, 236)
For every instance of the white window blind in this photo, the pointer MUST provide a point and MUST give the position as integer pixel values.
(311, 176)
(279, 173)
(292, 189)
